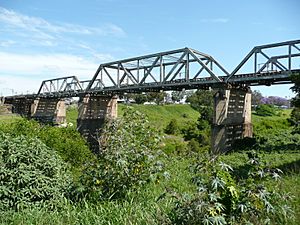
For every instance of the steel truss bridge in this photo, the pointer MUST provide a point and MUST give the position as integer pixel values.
(179, 69)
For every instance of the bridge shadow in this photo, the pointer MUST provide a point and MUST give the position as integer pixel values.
(290, 168)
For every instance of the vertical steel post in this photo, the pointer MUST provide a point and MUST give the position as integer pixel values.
(118, 75)
(255, 62)
(161, 69)
(138, 71)
(187, 67)
(101, 76)
(290, 60)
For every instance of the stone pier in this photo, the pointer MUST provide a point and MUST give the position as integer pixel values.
(92, 112)
(21, 106)
(232, 118)
(51, 111)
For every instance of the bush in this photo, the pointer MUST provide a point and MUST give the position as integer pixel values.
(295, 119)
(67, 142)
(31, 174)
(172, 127)
(127, 160)
(174, 145)
(224, 199)
(266, 110)
(199, 131)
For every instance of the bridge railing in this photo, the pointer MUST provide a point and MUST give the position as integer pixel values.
(157, 69)
(283, 60)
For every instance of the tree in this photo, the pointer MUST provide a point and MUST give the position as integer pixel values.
(275, 100)
(200, 99)
(178, 95)
(140, 98)
(256, 98)
(295, 116)
(157, 97)
(296, 89)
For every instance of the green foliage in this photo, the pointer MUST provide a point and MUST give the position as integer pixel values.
(172, 128)
(157, 97)
(195, 147)
(295, 120)
(295, 116)
(178, 95)
(174, 145)
(30, 174)
(278, 140)
(222, 199)
(67, 142)
(266, 110)
(128, 158)
(296, 88)
(72, 114)
(140, 98)
(201, 99)
(199, 131)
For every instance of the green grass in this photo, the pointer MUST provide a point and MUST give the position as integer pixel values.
(72, 114)
(160, 115)
(9, 118)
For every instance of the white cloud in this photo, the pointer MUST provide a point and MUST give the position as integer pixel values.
(214, 20)
(39, 64)
(46, 30)
(25, 72)
(7, 43)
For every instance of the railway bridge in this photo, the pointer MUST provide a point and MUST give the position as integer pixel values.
(179, 69)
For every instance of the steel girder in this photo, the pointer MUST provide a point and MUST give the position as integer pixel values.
(161, 69)
(279, 63)
(60, 86)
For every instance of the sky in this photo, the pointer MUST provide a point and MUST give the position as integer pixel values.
(48, 39)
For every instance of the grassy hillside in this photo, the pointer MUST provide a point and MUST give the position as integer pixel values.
(159, 115)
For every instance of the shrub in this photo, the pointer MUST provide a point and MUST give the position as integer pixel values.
(67, 142)
(30, 174)
(174, 145)
(194, 146)
(172, 127)
(266, 110)
(295, 119)
(128, 158)
(199, 131)
(223, 199)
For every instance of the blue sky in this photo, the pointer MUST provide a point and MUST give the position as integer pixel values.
(49, 39)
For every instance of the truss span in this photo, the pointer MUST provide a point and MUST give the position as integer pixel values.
(165, 70)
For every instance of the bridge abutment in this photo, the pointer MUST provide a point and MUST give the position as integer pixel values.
(92, 113)
(232, 118)
(48, 110)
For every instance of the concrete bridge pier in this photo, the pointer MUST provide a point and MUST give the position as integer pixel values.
(21, 106)
(232, 118)
(93, 110)
(48, 110)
